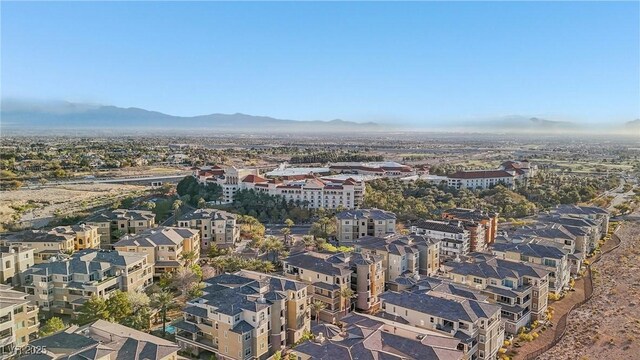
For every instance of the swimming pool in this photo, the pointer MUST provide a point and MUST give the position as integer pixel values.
(171, 329)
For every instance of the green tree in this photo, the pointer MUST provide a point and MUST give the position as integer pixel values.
(118, 306)
(93, 309)
(318, 306)
(189, 257)
(52, 326)
(163, 301)
(346, 294)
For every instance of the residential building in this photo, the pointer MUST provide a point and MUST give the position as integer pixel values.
(403, 254)
(216, 227)
(357, 223)
(61, 286)
(18, 321)
(368, 337)
(14, 260)
(246, 315)
(519, 288)
(104, 340)
(555, 234)
(488, 219)
(549, 257)
(163, 246)
(476, 323)
(61, 239)
(481, 179)
(454, 238)
(329, 274)
(599, 215)
(121, 221)
(587, 231)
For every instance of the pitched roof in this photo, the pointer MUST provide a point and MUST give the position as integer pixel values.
(375, 214)
(158, 236)
(481, 174)
(439, 226)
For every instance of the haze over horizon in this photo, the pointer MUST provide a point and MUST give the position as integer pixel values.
(411, 63)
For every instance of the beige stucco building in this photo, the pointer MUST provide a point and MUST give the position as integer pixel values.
(215, 226)
(122, 220)
(61, 286)
(14, 260)
(358, 223)
(246, 315)
(163, 246)
(18, 320)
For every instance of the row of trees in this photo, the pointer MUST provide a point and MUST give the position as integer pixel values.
(333, 156)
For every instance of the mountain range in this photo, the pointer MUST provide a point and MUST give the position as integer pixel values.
(60, 117)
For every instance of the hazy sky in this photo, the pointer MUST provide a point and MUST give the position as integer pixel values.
(409, 62)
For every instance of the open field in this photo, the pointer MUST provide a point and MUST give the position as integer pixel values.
(39, 206)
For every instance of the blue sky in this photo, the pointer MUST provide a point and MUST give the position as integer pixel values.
(421, 63)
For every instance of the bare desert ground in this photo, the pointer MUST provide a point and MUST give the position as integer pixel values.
(608, 326)
(39, 205)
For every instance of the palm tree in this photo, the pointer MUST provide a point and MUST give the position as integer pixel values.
(308, 240)
(346, 294)
(318, 306)
(286, 232)
(188, 257)
(176, 208)
(267, 267)
(163, 301)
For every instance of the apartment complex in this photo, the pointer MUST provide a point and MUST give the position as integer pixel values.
(403, 255)
(522, 169)
(454, 238)
(246, 315)
(549, 257)
(309, 191)
(163, 247)
(61, 286)
(111, 223)
(357, 223)
(477, 323)
(598, 215)
(215, 226)
(18, 321)
(103, 340)
(14, 260)
(367, 337)
(50, 243)
(489, 220)
(519, 288)
(330, 274)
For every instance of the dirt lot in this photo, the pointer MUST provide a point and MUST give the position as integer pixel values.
(608, 326)
(39, 205)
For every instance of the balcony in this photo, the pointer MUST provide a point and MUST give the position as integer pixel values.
(199, 341)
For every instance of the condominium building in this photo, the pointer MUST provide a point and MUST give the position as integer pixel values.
(367, 337)
(121, 221)
(476, 323)
(18, 321)
(216, 227)
(61, 286)
(309, 191)
(403, 255)
(14, 260)
(246, 315)
(330, 274)
(481, 179)
(488, 219)
(555, 234)
(61, 239)
(519, 288)
(102, 340)
(549, 257)
(599, 215)
(163, 246)
(586, 231)
(454, 238)
(357, 223)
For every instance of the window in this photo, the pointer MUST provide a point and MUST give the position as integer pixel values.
(477, 280)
